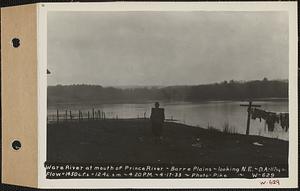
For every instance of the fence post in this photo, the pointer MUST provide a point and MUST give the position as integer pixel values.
(93, 113)
(57, 116)
(88, 115)
(66, 115)
(70, 115)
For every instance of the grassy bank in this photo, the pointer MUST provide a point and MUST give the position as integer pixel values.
(131, 140)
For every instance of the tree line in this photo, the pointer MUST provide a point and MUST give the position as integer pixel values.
(232, 90)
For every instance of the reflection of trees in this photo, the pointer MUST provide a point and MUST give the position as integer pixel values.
(219, 91)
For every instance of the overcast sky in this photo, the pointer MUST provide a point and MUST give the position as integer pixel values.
(166, 48)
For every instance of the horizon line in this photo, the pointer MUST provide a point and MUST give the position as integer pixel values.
(220, 82)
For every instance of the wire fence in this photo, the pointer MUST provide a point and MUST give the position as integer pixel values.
(86, 115)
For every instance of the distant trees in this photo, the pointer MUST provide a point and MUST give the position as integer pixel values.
(232, 90)
(239, 90)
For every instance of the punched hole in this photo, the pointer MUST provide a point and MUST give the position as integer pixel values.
(16, 145)
(15, 42)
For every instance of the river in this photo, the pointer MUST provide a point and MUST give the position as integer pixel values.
(216, 114)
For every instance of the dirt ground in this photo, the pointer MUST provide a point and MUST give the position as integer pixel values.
(131, 141)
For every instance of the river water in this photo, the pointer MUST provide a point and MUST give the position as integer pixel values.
(216, 114)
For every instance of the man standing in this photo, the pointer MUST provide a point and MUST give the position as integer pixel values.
(157, 120)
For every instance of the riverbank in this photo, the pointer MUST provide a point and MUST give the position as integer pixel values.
(131, 140)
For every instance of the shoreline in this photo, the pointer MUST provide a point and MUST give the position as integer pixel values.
(216, 130)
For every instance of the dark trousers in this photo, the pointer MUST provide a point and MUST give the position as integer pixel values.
(157, 128)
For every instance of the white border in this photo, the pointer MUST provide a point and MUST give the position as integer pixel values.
(291, 7)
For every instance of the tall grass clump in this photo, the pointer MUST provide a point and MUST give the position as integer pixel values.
(229, 129)
(212, 129)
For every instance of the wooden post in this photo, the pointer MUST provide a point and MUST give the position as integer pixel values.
(66, 115)
(88, 115)
(248, 117)
(93, 114)
(57, 116)
(250, 105)
(99, 114)
(79, 115)
(70, 115)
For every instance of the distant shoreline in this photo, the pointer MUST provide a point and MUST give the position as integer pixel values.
(232, 90)
(165, 101)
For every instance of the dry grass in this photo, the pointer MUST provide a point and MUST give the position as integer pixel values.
(229, 129)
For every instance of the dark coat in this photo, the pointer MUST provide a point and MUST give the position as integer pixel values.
(157, 115)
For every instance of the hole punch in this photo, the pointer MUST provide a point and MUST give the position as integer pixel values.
(16, 145)
(15, 42)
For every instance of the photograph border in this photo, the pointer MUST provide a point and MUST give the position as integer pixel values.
(44, 8)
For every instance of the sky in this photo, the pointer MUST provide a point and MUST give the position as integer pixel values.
(166, 48)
